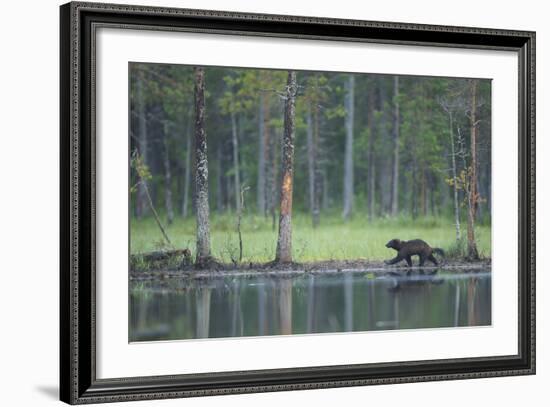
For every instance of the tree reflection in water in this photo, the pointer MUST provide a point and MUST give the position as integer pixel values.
(257, 305)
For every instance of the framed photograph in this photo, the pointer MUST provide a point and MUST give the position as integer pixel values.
(255, 203)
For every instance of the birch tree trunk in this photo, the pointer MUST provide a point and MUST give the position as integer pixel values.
(284, 241)
(201, 173)
(472, 193)
(167, 175)
(455, 186)
(395, 169)
(141, 204)
(348, 157)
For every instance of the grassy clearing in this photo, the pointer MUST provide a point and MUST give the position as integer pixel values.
(332, 240)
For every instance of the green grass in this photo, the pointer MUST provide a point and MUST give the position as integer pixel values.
(332, 240)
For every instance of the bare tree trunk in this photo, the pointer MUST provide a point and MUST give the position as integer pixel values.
(284, 242)
(187, 176)
(229, 179)
(395, 169)
(152, 207)
(270, 143)
(414, 186)
(244, 188)
(431, 193)
(219, 180)
(317, 173)
(271, 178)
(384, 167)
(370, 155)
(480, 192)
(472, 196)
(141, 204)
(484, 182)
(325, 198)
(423, 193)
(236, 175)
(201, 173)
(444, 196)
(314, 172)
(260, 197)
(455, 186)
(310, 157)
(167, 175)
(348, 155)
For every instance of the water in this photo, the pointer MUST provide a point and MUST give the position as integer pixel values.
(239, 305)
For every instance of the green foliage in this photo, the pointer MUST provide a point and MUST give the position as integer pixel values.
(458, 250)
(142, 170)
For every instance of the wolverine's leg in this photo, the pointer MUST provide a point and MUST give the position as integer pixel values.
(396, 259)
(433, 260)
(410, 264)
(422, 259)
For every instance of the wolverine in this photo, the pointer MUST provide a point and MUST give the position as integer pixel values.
(407, 249)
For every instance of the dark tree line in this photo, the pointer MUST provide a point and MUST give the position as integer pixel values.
(362, 145)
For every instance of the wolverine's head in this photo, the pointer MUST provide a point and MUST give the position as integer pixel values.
(394, 244)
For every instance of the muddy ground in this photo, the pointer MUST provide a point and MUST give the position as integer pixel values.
(180, 268)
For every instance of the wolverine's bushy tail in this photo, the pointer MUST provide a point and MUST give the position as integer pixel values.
(439, 251)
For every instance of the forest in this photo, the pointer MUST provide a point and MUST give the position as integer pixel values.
(242, 166)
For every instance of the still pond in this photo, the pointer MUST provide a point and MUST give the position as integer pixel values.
(255, 305)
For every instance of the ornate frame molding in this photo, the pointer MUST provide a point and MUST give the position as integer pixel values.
(77, 249)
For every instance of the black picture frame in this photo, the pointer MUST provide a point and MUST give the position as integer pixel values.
(78, 382)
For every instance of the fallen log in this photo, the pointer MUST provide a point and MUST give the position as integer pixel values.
(161, 259)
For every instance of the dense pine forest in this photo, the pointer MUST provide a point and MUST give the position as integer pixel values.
(252, 165)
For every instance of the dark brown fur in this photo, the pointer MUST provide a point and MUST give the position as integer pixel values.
(407, 249)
